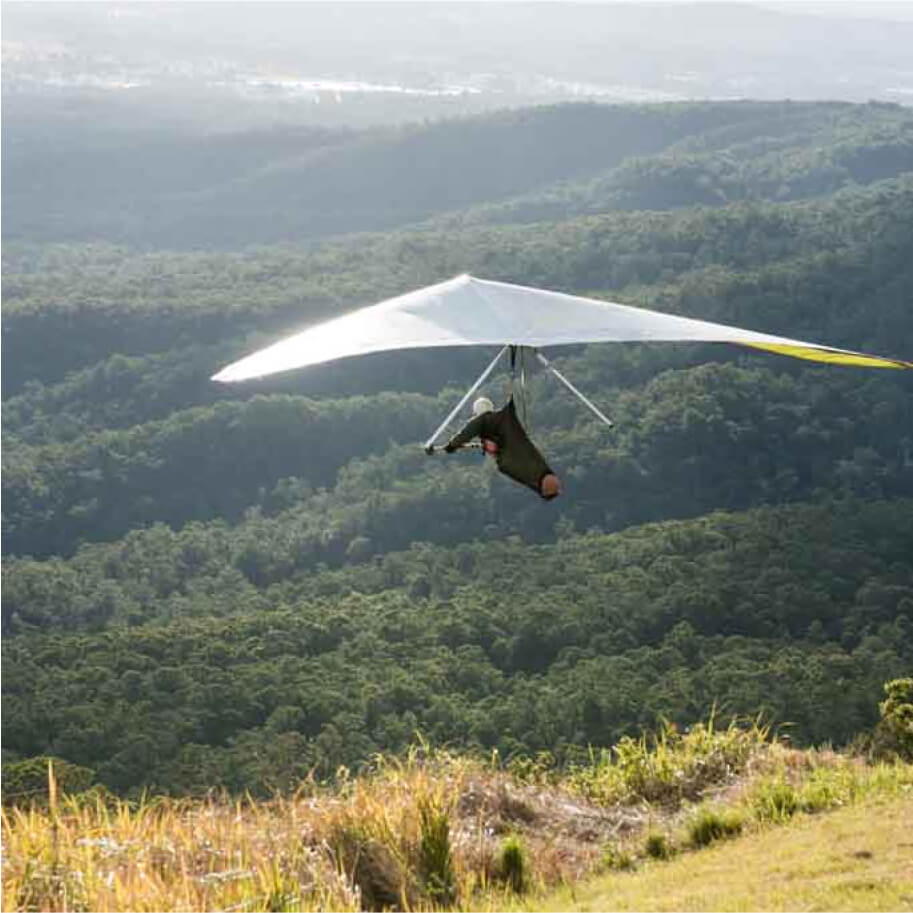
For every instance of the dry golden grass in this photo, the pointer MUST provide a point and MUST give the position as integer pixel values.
(166, 855)
(429, 831)
(419, 834)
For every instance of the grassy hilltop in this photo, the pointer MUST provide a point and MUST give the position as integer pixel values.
(856, 858)
(439, 831)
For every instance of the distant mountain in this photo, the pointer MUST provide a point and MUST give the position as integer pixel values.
(68, 180)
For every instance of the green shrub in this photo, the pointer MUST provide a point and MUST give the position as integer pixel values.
(818, 795)
(657, 846)
(670, 765)
(27, 781)
(513, 865)
(894, 733)
(709, 825)
(832, 786)
(774, 800)
(616, 858)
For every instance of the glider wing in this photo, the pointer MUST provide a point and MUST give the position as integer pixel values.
(466, 311)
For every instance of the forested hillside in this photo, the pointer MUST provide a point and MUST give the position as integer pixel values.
(231, 585)
(72, 180)
(210, 673)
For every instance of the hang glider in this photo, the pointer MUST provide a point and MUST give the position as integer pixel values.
(466, 311)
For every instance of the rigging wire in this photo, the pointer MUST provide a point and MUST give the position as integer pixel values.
(524, 398)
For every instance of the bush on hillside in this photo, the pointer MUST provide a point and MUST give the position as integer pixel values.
(29, 780)
(710, 824)
(670, 765)
(894, 733)
(774, 800)
(657, 846)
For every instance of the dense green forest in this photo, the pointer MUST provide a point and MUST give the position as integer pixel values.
(798, 612)
(231, 585)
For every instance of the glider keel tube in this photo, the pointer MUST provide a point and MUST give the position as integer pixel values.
(591, 406)
(429, 444)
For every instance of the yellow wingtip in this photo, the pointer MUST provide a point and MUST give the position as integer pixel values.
(831, 356)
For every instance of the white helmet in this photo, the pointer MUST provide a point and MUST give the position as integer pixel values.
(482, 405)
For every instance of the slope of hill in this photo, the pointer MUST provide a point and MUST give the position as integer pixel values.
(443, 831)
(852, 859)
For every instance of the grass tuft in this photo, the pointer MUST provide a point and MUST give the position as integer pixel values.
(372, 867)
(435, 855)
(774, 800)
(709, 825)
(616, 858)
(513, 867)
(657, 846)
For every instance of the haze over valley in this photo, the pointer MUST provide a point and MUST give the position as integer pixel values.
(225, 66)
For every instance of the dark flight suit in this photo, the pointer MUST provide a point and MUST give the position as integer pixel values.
(516, 455)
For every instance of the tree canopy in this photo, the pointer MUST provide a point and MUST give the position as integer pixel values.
(209, 585)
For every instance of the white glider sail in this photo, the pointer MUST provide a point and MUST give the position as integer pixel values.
(466, 311)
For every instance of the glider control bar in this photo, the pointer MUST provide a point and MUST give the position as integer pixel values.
(429, 444)
(548, 365)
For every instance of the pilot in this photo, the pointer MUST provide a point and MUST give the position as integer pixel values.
(504, 439)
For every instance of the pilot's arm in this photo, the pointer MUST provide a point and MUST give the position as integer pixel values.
(471, 430)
